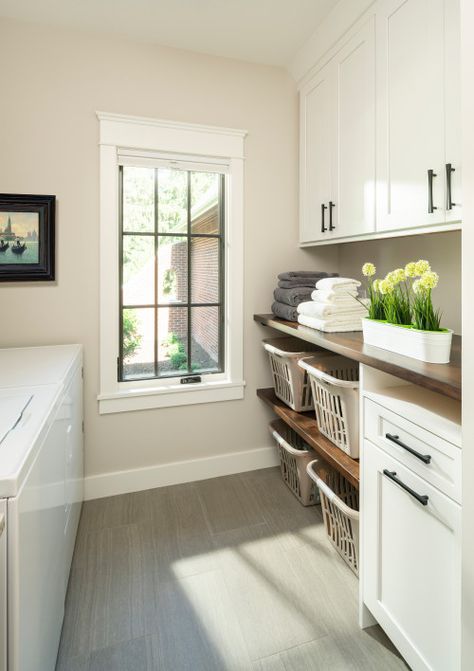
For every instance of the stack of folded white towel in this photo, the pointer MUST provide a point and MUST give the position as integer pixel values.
(335, 306)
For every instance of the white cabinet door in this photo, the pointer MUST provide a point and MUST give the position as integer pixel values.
(411, 570)
(453, 200)
(337, 172)
(410, 116)
(316, 154)
(353, 189)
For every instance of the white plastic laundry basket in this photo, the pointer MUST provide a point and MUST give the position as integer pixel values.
(291, 382)
(295, 455)
(340, 508)
(335, 386)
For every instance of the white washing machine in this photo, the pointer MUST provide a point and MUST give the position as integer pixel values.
(41, 491)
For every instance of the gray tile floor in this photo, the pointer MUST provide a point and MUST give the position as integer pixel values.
(221, 575)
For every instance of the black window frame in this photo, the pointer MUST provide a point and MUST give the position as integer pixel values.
(188, 305)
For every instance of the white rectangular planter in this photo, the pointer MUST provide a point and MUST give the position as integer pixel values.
(429, 346)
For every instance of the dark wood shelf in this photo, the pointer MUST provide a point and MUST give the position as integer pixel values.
(304, 423)
(442, 378)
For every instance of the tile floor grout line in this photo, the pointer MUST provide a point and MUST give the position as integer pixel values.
(290, 648)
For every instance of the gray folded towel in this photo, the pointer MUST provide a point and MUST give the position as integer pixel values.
(305, 279)
(295, 274)
(285, 311)
(302, 282)
(293, 296)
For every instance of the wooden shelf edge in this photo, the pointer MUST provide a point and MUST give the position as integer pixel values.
(304, 423)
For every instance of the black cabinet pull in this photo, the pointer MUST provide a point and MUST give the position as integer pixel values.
(431, 207)
(323, 208)
(425, 458)
(392, 475)
(449, 170)
(331, 225)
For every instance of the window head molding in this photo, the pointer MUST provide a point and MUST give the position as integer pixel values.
(170, 136)
(120, 135)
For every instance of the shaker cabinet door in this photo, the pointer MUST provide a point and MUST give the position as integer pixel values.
(411, 562)
(411, 113)
(452, 72)
(353, 184)
(316, 155)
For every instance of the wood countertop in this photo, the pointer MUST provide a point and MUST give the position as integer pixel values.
(442, 378)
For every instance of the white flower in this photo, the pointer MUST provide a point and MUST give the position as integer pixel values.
(422, 267)
(396, 276)
(410, 269)
(368, 269)
(429, 280)
(385, 286)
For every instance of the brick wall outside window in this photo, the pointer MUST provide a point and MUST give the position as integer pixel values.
(205, 286)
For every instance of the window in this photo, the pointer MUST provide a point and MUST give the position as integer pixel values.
(171, 263)
(172, 223)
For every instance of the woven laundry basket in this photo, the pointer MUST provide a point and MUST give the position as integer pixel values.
(340, 508)
(335, 387)
(295, 455)
(291, 382)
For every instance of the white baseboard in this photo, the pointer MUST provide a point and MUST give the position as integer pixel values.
(178, 472)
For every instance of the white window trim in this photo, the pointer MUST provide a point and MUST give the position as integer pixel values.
(208, 144)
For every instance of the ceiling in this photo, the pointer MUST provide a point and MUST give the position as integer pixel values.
(261, 31)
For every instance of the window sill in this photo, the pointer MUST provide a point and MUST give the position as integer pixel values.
(147, 399)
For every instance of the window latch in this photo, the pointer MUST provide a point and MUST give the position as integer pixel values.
(191, 379)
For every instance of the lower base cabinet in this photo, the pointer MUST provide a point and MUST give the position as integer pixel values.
(412, 560)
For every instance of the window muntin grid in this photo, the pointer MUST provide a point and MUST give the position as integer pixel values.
(149, 226)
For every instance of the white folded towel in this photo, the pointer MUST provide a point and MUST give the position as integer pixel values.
(334, 297)
(337, 284)
(330, 326)
(323, 311)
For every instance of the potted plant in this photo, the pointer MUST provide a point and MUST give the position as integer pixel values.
(401, 317)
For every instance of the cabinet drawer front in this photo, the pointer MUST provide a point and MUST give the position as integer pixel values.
(411, 561)
(431, 457)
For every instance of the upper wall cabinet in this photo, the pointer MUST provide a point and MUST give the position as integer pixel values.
(337, 151)
(380, 127)
(418, 162)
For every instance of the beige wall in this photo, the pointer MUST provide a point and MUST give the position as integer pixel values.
(443, 250)
(53, 81)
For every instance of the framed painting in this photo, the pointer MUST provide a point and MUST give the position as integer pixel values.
(26, 237)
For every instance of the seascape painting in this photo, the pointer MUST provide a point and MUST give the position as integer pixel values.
(19, 237)
(27, 237)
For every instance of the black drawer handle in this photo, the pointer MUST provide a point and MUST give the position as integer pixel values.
(425, 458)
(392, 475)
(331, 225)
(323, 208)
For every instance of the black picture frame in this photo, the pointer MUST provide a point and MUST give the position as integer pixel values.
(43, 237)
